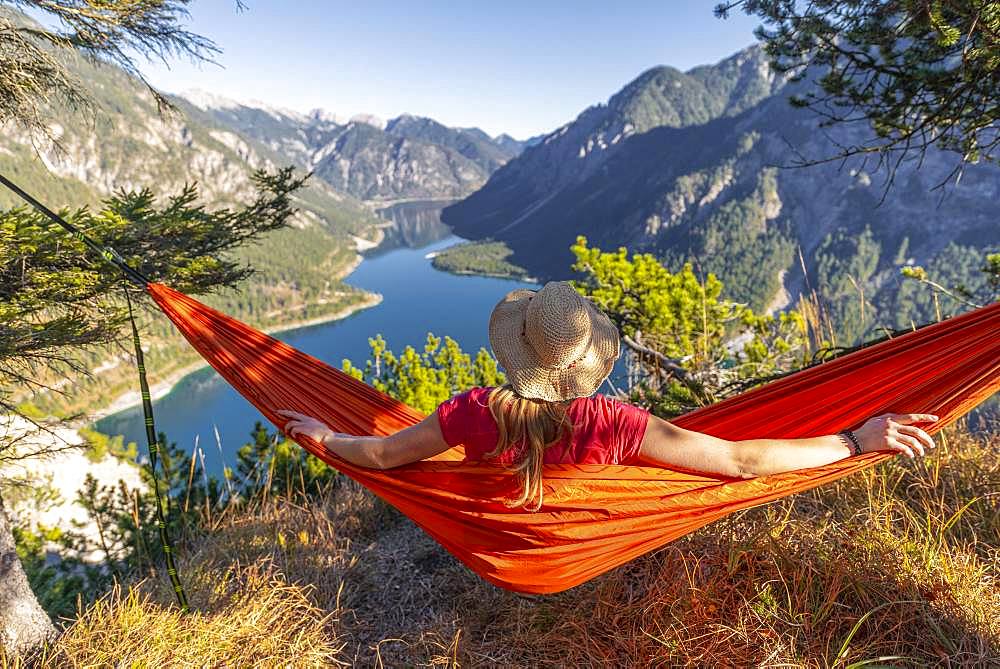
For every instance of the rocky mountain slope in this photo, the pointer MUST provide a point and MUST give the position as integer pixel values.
(689, 166)
(126, 142)
(406, 158)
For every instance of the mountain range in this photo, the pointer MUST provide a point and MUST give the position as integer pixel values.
(405, 158)
(690, 166)
(694, 166)
(359, 163)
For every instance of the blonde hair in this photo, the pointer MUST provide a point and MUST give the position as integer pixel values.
(531, 425)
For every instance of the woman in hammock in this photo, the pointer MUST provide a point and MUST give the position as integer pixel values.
(557, 348)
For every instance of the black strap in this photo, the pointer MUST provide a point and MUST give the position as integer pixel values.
(853, 441)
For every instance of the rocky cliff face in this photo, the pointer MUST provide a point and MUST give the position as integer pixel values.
(689, 166)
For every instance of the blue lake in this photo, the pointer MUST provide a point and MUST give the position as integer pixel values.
(417, 299)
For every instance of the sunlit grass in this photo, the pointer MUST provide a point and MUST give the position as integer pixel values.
(896, 566)
(247, 616)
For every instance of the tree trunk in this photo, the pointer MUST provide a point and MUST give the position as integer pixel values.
(24, 625)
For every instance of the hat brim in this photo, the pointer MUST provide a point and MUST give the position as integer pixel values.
(525, 371)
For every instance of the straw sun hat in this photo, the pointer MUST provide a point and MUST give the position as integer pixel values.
(554, 344)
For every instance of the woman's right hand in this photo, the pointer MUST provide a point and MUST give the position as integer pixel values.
(896, 432)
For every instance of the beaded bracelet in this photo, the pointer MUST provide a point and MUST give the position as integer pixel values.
(851, 439)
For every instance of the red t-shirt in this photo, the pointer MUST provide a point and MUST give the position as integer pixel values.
(605, 430)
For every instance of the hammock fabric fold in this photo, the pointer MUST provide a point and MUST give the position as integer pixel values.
(598, 517)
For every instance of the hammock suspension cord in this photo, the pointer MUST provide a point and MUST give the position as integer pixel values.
(112, 256)
(153, 448)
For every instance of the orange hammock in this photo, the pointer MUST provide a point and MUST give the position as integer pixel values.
(597, 517)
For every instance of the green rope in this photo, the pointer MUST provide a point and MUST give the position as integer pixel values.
(153, 444)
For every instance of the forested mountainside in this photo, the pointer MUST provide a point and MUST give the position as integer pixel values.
(125, 142)
(688, 165)
(406, 158)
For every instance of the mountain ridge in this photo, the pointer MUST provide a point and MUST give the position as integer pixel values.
(685, 165)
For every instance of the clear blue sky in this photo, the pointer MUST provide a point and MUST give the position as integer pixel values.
(506, 66)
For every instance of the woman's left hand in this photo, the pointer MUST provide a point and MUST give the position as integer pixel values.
(896, 432)
(301, 425)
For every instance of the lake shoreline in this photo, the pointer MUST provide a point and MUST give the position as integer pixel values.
(485, 257)
(166, 386)
(163, 388)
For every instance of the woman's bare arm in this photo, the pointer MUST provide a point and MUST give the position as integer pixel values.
(415, 443)
(669, 445)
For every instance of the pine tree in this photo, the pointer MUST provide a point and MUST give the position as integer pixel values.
(33, 56)
(57, 300)
(920, 73)
(53, 298)
(687, 345)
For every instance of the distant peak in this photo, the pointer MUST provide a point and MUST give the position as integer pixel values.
(369, 119)
(276, 111)
(504, 139)
(411, 120)
(205, 101)
(324, 116)
(753, 54)
(655, 72)
(210, 101)
(661, 76)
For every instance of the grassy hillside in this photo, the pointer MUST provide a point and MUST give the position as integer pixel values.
(897, 566)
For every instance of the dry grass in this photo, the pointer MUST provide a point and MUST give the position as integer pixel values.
(898, 565)
(248, 617)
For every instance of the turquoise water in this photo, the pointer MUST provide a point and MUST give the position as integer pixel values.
(417, 299)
